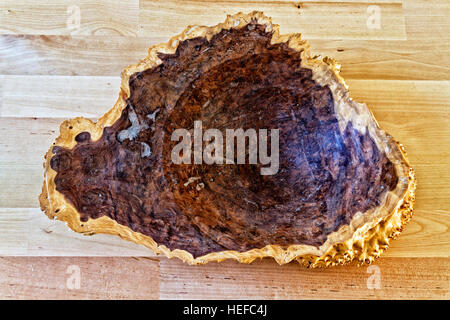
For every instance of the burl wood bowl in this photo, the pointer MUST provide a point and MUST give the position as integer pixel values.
(343, 189)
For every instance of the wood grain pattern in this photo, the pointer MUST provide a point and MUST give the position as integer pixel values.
(99, 278)
(49, 72)
(315, 20)
(387, 60)
(427, 20)
(56, 17)
(57, 97)
(70, 55)
(398, 279)
(27, 232)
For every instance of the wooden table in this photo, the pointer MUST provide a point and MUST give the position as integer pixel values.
(51, 69)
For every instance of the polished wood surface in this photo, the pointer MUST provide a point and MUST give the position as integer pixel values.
(51, 70)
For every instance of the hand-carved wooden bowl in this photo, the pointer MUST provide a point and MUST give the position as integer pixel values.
(343, 188)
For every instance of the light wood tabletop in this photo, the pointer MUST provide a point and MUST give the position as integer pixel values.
(62, 58)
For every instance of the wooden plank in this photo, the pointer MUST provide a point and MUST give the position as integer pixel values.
(427, 20)
(393, 278)
(64, 17)
(70, 55)
(53, 97)
(78, 278)
(411, 97)
(426, 235)
(415, 112)
(330, 20)
(21, 170)
(392, 60)
(28, 232)
(21, 184)
(108, 56)
(13, 229)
